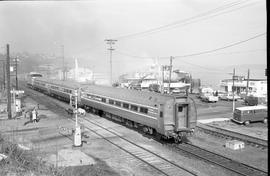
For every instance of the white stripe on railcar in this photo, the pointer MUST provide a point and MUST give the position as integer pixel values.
(120, 108)
(104, 96)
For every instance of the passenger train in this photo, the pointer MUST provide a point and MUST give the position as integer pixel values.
(166, 116)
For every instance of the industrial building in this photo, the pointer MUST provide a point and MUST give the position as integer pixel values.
(255, 86)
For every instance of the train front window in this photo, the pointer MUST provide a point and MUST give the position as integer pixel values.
(180, 108)
(36, 75)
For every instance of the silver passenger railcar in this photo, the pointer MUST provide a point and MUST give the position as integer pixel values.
(171, 116)
(168, 116)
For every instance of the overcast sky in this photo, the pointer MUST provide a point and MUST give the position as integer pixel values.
(82, 26)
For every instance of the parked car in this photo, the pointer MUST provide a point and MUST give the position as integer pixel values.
(229, 97)
(154, 88)
(209, 98)
(254, 100)
(221, 93)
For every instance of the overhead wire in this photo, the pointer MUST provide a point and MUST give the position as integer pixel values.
(202, 52)
(134, 56)
(186, 21)
(203, 18)
(221, 48)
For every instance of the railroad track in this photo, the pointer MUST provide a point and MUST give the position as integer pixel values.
(159, 163)
(222, 161)
(214, 158)
(233, 135)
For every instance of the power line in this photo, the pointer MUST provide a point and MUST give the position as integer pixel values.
(203, 52)
(202, 18)
(188, 20)
(129, 55)
(221, 48)
(240, 52)
(152, 57)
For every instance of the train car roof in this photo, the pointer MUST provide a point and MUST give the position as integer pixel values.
(69, 84)
(135, 96)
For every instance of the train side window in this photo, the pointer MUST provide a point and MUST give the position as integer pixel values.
(117, 103)
(54, 87)
(89, 96)
(111, 101)
(134, 108)
(180, 108)
(143, 110)
(161, 114)
(125, 105)
(103, 100)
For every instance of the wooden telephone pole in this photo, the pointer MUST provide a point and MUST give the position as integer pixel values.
(170, 74)
(233, 89)
(8, 84)
(110, 42)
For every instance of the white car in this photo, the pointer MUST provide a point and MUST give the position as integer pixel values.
(212, 99)
(209, 98)
(229, 97)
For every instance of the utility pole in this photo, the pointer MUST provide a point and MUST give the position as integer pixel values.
(16, 67)
(63, 62)
(77, 133)
(162, 86)
(4, 75)
(110, 42)
(169, 87)
(233, 89)
(8, 84)
(247, 83)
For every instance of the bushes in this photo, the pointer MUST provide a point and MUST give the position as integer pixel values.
(22, 162)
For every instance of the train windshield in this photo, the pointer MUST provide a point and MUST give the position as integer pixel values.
(36, 75)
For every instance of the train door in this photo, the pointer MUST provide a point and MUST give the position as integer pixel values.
(181, 116)
(161, 119)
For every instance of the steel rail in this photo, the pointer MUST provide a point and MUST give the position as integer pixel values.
(220, 160)
(234, 135)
